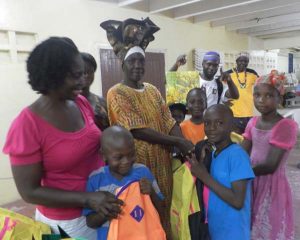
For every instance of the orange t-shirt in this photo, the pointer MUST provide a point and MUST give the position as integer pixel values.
(191, 131)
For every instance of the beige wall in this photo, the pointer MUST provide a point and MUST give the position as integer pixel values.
(79, 20)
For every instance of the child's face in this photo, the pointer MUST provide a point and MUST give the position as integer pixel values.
(266, 98)
(120, 158)
(217, 126)
(196, 104)
(178, 115)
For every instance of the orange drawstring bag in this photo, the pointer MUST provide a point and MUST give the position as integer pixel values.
(139, 218)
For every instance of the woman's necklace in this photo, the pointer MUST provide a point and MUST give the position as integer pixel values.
(243, 85)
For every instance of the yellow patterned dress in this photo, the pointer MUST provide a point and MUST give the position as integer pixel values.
(145, 108)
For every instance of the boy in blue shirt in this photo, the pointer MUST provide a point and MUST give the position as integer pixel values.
(118, 150)
(229, 180)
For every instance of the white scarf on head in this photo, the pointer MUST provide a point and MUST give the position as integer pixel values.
(133, 50)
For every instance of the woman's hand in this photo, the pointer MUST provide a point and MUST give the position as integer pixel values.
(185, 146)
(104, 203)
(145, 186)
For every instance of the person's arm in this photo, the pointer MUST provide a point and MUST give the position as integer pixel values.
(271, 163)
(283, 138)
(234, 196)
(95, 220)
(247, 145)
(103, 102)
(155, 137)
(232, 91)
(176, 131)
(147, 188)
(180, 61)
(28, 182)
(101, 116)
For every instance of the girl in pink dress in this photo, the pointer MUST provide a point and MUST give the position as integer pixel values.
(269, 140)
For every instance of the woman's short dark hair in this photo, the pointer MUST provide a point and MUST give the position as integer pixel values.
(50, 62)
(88, 58)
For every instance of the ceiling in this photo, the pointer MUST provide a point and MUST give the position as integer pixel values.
(264, 19)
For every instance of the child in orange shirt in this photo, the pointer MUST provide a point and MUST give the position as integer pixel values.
(193, 129)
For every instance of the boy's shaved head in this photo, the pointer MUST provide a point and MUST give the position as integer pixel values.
(118, 150)
(115, 137)
(218, 122)
(224, 110)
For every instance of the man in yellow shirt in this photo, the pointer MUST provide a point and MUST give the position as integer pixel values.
(244, 79)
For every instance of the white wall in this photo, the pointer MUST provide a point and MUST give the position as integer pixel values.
(283, 63)
(256, 43)
(285, 42)
(297, 63)
(79, 20)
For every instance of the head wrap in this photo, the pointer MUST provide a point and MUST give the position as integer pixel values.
(276, 79)
(212, 56)
(242, 54)
(133, 50)
(122, 36)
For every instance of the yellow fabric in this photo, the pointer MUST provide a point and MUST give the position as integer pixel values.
(184, 202)
(19, 227)
(236, 138)
(146, 109)
(244, 106)
(191, 131)
(176, 163)
(179, 83)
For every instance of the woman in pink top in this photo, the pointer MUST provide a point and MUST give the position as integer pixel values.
(53, 144)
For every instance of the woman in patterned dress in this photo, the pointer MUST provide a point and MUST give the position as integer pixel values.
(140, 108)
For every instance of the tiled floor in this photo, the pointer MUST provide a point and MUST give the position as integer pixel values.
(292, 171)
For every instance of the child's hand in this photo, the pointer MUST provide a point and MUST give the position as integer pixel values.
(145, 186)
(206, 149)
(198, 169)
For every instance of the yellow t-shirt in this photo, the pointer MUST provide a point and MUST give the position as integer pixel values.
(244, 106)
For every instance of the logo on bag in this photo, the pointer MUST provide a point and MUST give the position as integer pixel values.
(137, 213)
(8, 225)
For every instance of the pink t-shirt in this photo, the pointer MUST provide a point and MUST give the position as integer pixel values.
(67, 157)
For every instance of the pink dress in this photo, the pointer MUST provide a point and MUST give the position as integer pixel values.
(67, 157)
(272, 209)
